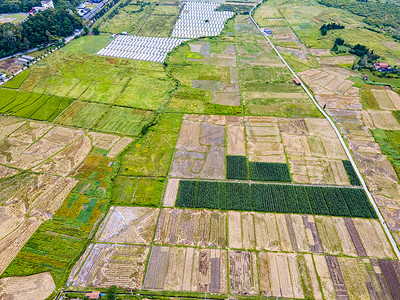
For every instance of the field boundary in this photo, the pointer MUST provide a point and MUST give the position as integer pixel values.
(346, 149)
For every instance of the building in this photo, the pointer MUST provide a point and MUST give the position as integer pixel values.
(46, 4)
(93, 295)
(267, 31)
(24, 60)
(383, 67)
(3, 77)
(297, 81)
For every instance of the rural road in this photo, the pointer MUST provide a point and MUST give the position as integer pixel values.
(346, 149)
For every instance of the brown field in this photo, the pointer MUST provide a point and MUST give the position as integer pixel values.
(187, 269)
(57, 150)
(373, 238)
(111, 264)
(312, 234)
(236, 140)
(171, 192)
(128, 225)
(200, 150)
(386, 98)
(9, 125)
(7, 172)
(189, 227)
(38, 286)
(384, 120)
(321, 52)
(324, 277)
(243, 277)
(335, 60)
(41, 197)
(329, 80)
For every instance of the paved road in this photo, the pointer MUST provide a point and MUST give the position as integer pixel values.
(346, 149)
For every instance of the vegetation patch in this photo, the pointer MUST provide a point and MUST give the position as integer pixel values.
(236, 167)
(351, 173)
(32, 105)
(389, 141)
(16, 82)
(281, 198)
(260, 171)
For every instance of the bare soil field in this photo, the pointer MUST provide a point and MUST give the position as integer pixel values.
(171, 192)
(328, 80)
(200, 149)
(335, 60)
(321, 52)
(55, 150)
(111, 264)
(187, 269)
(38, 286)
(189, 227)
(386, 98)
(384, 120)
(26, 208)
(128, 225)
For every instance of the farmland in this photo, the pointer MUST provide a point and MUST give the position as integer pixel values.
(275, 198)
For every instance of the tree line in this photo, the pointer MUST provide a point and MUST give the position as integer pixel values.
(15, 6)
(39, 29)
(385, 15)
(330, 26)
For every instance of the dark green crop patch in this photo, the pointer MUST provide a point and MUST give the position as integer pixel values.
(261, 171)
(351, 173)
(280, 198)
(236, 167)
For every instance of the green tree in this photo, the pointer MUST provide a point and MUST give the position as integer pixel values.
(111, 293)
(96, 31)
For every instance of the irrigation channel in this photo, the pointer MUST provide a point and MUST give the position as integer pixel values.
(346, 149)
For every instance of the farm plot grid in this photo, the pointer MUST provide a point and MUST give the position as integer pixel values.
(260, 148)
(122, 247)
(140, 48)
(40, 167)
(270, 274)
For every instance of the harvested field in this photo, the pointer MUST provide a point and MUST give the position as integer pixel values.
(335, 60)
(171, 192)
(200, 150)
(112, 264)
(243, 279)
(128, 225)
(236, 140)
(384, 120)
(38, 286)
(329, 80)
(373, 238)
(7, 172)
(32, 202)
(189, 227)
(187, 269)
(321, 52)
(55, 150)
(353, 279)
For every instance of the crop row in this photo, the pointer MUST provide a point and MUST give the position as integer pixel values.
(32, 105)
(281, 198)
(351, 173)
(237, 167)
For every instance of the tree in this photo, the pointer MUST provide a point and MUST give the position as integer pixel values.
(96, 31)
(339, 41)
(85, 31)
(111, 293)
